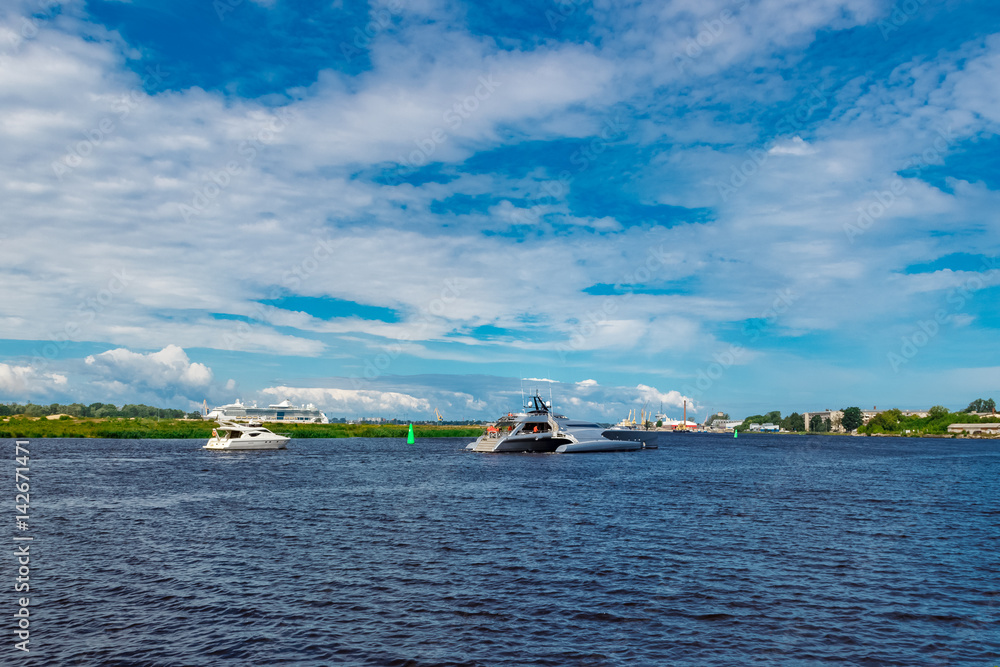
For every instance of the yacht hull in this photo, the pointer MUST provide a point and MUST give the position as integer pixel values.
(599, 446)
(233, 445)
(647, 438)
(545, 446)
(581, 441)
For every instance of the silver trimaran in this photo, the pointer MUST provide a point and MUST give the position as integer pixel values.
(540, 431)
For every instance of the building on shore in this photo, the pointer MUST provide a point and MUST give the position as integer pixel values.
(279, 412)
(680, 425)
(867, 415)
(724, 424)
(833, 416)
(989, 428)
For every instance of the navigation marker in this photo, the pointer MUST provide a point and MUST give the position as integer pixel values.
(409, 436)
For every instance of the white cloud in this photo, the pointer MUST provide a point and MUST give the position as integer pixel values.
(796, 146)
(170, 369)
(353, 401)
(21, 382)
(473, 397)
(671, 398)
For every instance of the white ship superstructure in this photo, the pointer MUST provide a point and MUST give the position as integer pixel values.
(279, 412)
(233, 436)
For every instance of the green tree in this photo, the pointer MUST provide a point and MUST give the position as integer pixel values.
(794, 422)
(937, 412)
(979, 405)
(852, 419)
(818, 424)
(773, 417)
(106, 411)
(884, 422)
(716, 416)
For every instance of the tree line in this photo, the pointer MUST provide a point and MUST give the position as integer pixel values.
(888, 421)
(793, 422)
(100, 410)
(148, 428)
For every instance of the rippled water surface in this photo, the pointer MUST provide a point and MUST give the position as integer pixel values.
(764, 550)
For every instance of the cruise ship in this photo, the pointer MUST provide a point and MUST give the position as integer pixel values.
(279, 412)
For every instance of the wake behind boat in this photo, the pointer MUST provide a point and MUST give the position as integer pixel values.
(252, 435)
(540, 431)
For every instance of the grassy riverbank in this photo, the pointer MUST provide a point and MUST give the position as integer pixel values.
(22, 427)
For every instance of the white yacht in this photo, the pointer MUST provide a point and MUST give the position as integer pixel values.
(230, 436)
(538, 430)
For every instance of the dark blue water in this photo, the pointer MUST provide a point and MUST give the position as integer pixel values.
(780, 550)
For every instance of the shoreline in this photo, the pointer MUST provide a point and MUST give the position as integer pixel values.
(938, 436)
(182, 429)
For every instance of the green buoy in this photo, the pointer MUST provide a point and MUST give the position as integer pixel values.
(736, 433)
(409, 436)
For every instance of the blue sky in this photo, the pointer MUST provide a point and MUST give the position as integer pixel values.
(390, 207)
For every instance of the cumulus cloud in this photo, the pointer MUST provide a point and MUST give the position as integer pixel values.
(352, 401)
(672, 398)
(796, 146)
(168, 371)
(474, 397)
(23, 382)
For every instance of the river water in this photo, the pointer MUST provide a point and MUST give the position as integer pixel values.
(766, 550)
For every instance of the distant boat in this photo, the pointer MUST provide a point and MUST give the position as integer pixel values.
(277, 412)
(676, 425)
(628, 423)
(233, 436)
